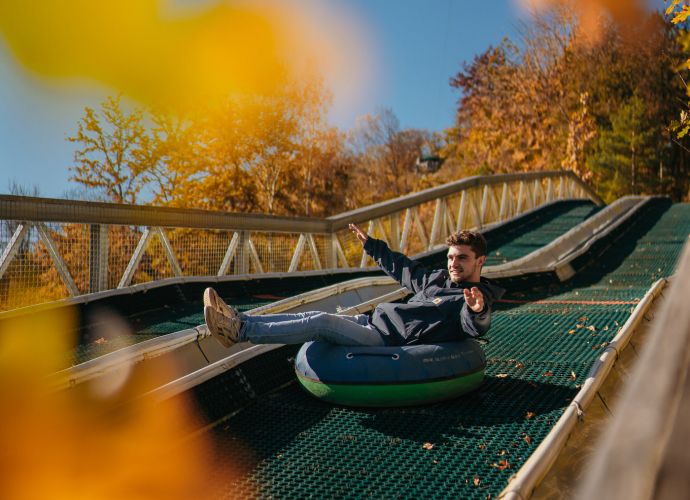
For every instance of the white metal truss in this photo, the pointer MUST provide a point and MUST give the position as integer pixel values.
(140, 250)
(229, 255)
(421, 221)
(20, 234)
(60, 265)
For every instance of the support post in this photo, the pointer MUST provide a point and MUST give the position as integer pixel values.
(462, 210)
(243, 261)
(438, 221)
(521, 196)
(98, 258)
(504, 202)
(485, 202)
(407, 224)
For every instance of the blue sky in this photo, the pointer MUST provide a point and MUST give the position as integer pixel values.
(416, 46)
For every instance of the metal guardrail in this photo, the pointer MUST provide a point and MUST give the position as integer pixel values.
(53, 249)
(643, 451)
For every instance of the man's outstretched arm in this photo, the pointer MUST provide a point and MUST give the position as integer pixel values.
(475, 316)
(409, 273)
(361, 235)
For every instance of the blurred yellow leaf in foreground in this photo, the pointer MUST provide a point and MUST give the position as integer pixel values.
(86, 443)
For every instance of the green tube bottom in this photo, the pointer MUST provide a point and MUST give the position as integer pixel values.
(385, 395)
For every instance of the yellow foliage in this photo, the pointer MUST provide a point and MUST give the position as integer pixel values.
(167, 55)
(91, 441)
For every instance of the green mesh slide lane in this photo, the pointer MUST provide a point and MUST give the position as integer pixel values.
(543, 342)
(532, 233)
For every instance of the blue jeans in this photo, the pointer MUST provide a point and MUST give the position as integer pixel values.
(297, 328)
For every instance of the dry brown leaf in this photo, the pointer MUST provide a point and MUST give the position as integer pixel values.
(572, 375)
(427, 446)
(501, 465)
(548, 374)
(502, 375)
(583, 319)
(482, 446)
(529, 415)
(570, 332)
(100, 341)
(592, 328)
(527, 439)
(476, 480)
(519, 365)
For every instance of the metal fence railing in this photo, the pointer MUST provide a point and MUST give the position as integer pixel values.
(53, 249)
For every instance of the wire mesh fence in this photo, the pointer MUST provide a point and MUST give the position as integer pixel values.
(54, 249)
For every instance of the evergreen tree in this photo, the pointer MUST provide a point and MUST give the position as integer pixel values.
(624, 157)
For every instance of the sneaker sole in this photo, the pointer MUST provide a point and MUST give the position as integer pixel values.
(212, 299)
(212, 326)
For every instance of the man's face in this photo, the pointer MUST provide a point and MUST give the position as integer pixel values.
(463, 264)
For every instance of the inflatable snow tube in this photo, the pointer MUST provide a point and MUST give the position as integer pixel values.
(390, 376)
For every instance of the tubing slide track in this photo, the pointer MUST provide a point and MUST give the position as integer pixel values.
(577, 276)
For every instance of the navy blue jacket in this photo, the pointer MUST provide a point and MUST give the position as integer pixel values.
(437, 312)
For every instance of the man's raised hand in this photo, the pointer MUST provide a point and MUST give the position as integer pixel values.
(474, 299)
(361, 235)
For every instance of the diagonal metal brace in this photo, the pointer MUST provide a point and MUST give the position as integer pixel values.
(60, 265)
(13, 247)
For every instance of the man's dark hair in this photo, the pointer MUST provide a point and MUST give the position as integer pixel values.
(473, 239)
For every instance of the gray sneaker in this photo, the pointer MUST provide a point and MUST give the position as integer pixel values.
(221, 319)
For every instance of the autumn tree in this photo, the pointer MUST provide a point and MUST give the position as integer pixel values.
(636, 97)
(169, 155)
(274, 160)
(324, 165)
(111, 143)
(480, 139)
(218, 177)
(328, 171)
(553, 102)
(386, 156)
(514, 110)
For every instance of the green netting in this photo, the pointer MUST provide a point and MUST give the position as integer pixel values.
(517, 240)
(543, 342)
(296, 446)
